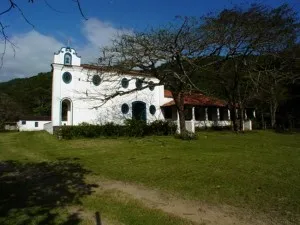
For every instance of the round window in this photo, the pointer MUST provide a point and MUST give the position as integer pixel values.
(151, 86)
(125, 82)
(67, 77)
(96, 80)
(125, 108)
(139, 83)
(152, 109)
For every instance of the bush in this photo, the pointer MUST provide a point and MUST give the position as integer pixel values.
(187, 135)
(135, 128)
(132, 128)
(162, 128)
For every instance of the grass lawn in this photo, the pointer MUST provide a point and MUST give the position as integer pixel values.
(43, 180)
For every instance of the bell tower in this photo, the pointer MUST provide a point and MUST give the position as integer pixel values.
(65, 66)
(67, 56)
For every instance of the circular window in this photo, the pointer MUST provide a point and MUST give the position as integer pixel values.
(152, 109)
(151, 86)
(125, 82)
(139, 83)
(67, 77)
(96, 80)
(125, 108)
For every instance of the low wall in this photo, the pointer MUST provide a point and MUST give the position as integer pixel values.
(48, 127)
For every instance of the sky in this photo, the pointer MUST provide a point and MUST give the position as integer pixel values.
(57, 21)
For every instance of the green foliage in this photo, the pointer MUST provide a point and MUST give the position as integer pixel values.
(32, 95)
(162, 128)
(135, 128)
(187, 135)
(255, 171)
(132, 128)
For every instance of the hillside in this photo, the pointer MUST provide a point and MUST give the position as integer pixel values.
(26, 96)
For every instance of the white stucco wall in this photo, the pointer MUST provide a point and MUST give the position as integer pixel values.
(83, 95)
(30, 125)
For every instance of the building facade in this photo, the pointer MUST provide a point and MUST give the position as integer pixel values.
(83, 93)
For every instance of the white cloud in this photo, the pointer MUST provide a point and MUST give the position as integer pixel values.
(35, 51)
(98, 34)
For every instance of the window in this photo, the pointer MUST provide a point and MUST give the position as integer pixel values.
(200, 114)
(68, 59)
(139, 83)
(151, 86)
(67, 77)
(125, 83)
(125, 108)
(188, 113)
(96, 80)
(167, 112)
(152, 109)
(36, 124)
(23, 122)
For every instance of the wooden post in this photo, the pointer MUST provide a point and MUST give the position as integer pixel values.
(98, 218)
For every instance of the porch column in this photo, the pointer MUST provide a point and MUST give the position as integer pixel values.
(206, 114)
(193, 119)
(218, 114)
(229, 114)
(254, 116)
(245, 115)
(178, 123)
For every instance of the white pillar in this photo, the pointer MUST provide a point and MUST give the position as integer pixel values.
(229, 114)
(218, 114)
(206, 114)
(193, 119)
(178, 123)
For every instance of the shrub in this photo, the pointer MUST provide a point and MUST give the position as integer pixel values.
(187, 135)
(132, 128)
(162, 128)
(135, 128)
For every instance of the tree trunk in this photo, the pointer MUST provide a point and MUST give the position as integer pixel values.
(233, 117)
(263, 125)
(179, 101)
(273, 109)
(241, 117)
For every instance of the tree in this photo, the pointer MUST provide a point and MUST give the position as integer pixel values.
(9, 110)
(242, 37)
(270, 80)
(169, 54)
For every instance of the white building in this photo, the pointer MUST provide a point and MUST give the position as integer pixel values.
(80, 94)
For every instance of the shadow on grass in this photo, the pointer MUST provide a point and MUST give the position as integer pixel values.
(36, 193)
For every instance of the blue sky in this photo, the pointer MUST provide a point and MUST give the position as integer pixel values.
(52, 29)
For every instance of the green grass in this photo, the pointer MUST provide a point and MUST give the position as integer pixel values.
(258, 171)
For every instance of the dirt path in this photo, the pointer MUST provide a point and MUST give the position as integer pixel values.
(197, 212)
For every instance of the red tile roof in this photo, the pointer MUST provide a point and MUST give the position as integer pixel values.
(196, 99)
(168, 94)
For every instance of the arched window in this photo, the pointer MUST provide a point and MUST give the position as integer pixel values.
(68, 59)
